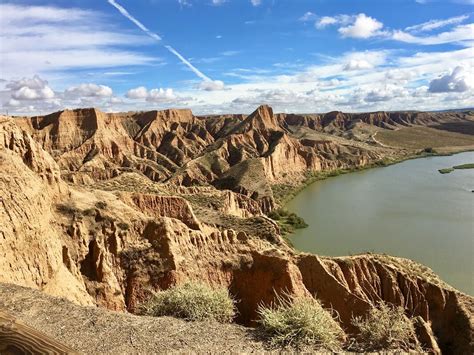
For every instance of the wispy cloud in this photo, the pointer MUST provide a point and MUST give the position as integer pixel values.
(435, 24)
(460, 34)
(45, 39)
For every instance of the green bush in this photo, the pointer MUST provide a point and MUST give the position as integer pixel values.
(192, 301)
(274, 215)
(296, 221)
(300, 321)
(385, 328)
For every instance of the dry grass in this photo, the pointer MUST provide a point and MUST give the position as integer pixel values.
(300, 321)
(423, 137)
(192, 301)
(385, 327)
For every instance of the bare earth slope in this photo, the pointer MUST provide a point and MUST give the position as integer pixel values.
(102, 208)
(97, 331)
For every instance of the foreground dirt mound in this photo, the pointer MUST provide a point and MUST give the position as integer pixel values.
(97, 331)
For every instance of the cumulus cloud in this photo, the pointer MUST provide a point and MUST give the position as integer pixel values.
(363, 27)
(364, 60)
(161, 95)
(89, 90)
(154, 95)
(459, 80)
(256, 2)
(138, 93)
(386, 93)
(358, 65)
(30, 89)
(211, 85)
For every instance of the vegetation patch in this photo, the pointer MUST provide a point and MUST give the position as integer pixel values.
(456, 167)
(287, 221)
(464, 166)
(300, 321)
(385, 327)
(192, 301)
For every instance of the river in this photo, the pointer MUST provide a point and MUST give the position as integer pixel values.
(407, 209)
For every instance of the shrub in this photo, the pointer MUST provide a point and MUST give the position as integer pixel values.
(300, 321)
(124, 226)
(66, 208)
(192, 301)
(385, 327)
(274, 215)
(296, 221)
(101, 205)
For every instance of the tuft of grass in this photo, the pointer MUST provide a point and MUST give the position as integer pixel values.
(192, 301)
(385, 327)
(300, 321)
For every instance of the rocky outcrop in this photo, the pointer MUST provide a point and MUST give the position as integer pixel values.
(113, 234)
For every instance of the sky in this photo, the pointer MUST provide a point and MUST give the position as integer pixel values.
(229, 56)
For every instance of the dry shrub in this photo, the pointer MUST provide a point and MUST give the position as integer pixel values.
(385, 327)
(298, 321)
(192, 301)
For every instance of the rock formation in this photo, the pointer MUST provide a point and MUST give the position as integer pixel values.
(103, 208)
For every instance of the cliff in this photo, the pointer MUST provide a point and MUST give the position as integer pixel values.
(102, 208)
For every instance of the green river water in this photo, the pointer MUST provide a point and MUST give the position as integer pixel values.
(408, 210)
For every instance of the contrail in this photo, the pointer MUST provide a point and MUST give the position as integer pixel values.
(192, 67)
(155, 36)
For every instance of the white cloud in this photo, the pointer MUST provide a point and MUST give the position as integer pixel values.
(30, 89)
(364, 60)
(363, 27)
(137, 93)
(218, 2)
(211, 85)
(358, 65)
(154, 95)
(308, 16)
(161, 95)
(458, 81)
(434, 24)
(88, 90)
(342, 19)
(43, 39)
(460, 34)
(256, 2)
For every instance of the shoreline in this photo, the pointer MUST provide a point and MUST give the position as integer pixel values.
(349, 254)
(385, 162)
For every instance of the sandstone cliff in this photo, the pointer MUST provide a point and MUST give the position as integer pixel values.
(103, 208)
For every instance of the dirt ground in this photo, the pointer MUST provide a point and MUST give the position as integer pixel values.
(95, 331)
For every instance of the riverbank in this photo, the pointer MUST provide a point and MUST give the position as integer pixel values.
(407, 210)
(284, 193)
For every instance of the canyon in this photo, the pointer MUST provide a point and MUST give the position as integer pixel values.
(104, 208)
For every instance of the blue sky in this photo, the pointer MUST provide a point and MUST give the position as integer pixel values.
(217, 56)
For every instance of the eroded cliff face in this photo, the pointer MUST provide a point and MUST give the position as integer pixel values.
(98, 229)
(243, 154)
